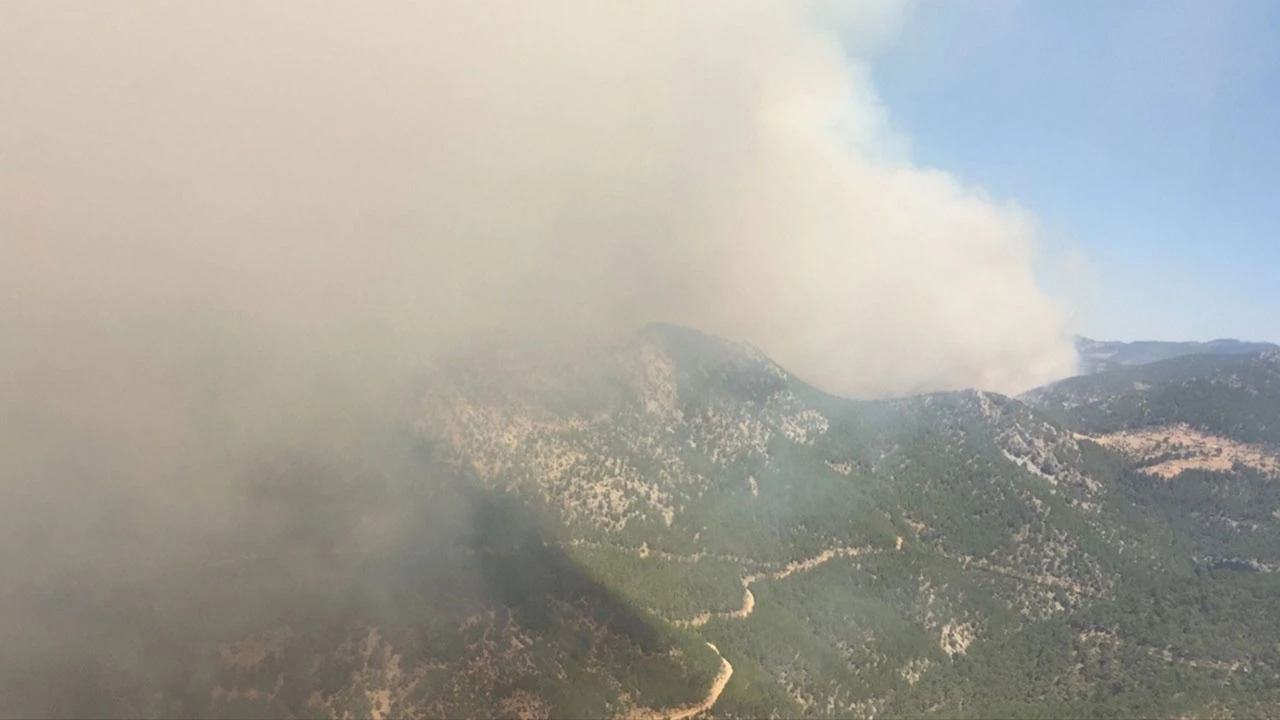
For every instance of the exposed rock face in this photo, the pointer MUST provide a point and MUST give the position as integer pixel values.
(659, 437)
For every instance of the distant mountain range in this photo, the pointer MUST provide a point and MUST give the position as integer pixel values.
(1099, 355)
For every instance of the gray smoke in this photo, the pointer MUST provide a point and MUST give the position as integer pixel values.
(446, 170)
(232, 232)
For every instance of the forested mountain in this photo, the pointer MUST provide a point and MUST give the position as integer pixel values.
(1237, 396)
(677, 526)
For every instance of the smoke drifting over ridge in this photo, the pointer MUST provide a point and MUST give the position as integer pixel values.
(229, 234)
(439, 172)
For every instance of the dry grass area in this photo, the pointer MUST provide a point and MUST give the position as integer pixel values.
(956, 638)
(524, 705)
(1181, 447)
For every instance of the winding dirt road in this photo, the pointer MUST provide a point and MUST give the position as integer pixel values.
(685, 712)
(749, 600)
(721, 680)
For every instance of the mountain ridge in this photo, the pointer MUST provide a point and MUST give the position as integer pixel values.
(673, 525)
(1099, 355)
(865, 439)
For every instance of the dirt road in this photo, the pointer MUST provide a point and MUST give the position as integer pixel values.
(748, 606)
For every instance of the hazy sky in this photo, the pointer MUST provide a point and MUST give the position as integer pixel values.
(1146, 134)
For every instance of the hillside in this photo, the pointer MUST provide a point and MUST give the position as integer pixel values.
(676, 526)
(956, 553)
(1202, 437)
(1234, 396)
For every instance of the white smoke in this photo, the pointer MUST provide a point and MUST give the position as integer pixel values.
(449, 169)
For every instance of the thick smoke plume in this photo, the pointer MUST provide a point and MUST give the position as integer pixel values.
(436, 172)
(230, 232)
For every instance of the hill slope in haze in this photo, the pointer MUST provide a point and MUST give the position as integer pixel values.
(975, 527)
(676, 526)
(1237, 396)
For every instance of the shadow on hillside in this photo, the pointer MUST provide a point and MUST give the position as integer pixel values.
(299, 564)
(521, 568)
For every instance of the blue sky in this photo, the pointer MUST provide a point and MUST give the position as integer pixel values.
(1147, 134)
